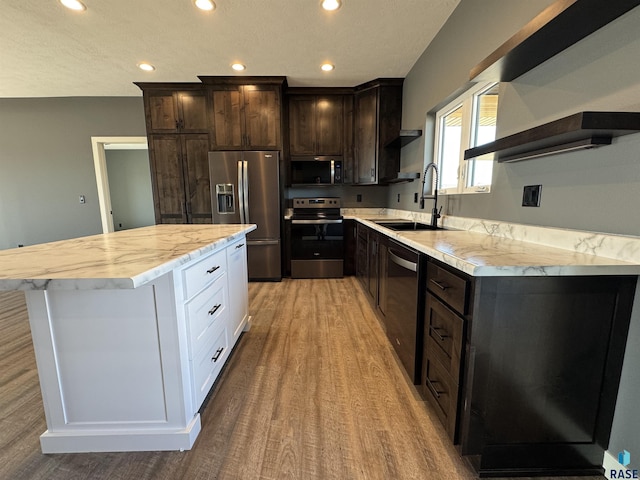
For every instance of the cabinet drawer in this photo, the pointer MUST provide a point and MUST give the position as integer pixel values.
(207, 366)
(442, 393)
(197, 276)
(205, 314)
(443, 335)
(448, 286)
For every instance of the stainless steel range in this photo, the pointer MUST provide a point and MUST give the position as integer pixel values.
(317, 238)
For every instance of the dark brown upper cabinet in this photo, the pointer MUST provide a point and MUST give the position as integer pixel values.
(245, 116)
(316, 124)
(173, 110)
(378, 116)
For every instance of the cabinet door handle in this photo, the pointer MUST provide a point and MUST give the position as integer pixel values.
(214, 309)
(440, 336)
(239, 246)
(217, 354)
(433, 388)
(213, 269)
(439, 285)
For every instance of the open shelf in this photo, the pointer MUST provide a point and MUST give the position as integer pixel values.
(404, 137)
(556, 28)
(578, 131)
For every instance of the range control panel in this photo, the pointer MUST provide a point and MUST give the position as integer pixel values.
(317, 202)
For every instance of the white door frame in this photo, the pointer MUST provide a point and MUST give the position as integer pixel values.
(102, 179)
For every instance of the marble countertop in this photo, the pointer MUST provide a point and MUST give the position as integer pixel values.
(483, 254)
(124, 259)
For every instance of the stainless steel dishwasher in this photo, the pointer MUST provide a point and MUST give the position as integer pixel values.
(405, 306)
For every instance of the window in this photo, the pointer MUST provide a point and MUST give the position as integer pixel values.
(468, 121)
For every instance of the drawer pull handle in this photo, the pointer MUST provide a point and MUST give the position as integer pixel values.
(214, 309)
(433, 389)
(213, 269)
(217, 355)
(239, 246)
(439, 285)
(437, 333)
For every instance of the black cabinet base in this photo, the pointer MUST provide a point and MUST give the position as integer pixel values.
(537, 460)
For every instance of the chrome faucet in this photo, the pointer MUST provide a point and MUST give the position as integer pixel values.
(435, 213)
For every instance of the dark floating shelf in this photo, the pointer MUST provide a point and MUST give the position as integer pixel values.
(556, 28)
(404, 138)
(578, 131)
(401, 178)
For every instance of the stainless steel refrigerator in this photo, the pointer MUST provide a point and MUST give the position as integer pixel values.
(245, 189)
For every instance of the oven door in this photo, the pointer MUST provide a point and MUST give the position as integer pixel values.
(317, 248)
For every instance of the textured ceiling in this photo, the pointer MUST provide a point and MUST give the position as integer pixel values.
(49, 51)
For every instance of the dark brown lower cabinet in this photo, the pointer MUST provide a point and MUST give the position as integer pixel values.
(524, 374)
(180, 178)
(443, 343)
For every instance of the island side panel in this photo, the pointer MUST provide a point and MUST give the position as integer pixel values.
(111, 369)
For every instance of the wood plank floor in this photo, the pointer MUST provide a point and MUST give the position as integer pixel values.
(312, 391)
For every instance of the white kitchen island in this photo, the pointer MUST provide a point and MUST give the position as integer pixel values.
(130, 331)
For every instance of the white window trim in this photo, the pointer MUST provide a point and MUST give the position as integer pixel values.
(467, 114)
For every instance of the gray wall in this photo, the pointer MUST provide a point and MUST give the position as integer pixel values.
(46, 162)
(474, 30)
(596, 190)
(130, 188)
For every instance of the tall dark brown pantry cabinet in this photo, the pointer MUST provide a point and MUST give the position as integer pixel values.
(177, 118)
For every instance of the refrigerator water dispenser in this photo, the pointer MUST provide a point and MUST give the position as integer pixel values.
(224, 192)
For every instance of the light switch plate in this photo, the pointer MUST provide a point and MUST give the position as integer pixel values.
(531, 195)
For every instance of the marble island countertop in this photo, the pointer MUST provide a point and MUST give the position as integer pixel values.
(479, 250)
(124, 259)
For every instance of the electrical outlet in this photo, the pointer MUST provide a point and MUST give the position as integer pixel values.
(531, 195)
(358, 197)
(398, 198)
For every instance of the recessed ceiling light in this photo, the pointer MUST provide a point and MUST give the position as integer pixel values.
(205, 4)
(238, 67)
(327, 67)
(147, 67)
(74, 5)
(331, 4)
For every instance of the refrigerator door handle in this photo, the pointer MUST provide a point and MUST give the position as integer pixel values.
(240, 191)
(245, 190)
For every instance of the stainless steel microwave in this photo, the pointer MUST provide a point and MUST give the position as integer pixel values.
(316, 170)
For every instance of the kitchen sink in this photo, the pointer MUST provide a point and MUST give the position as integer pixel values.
(407, 226)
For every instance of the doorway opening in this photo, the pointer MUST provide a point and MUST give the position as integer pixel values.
(130, 184)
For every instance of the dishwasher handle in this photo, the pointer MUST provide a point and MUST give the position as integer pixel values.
(402, 262)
